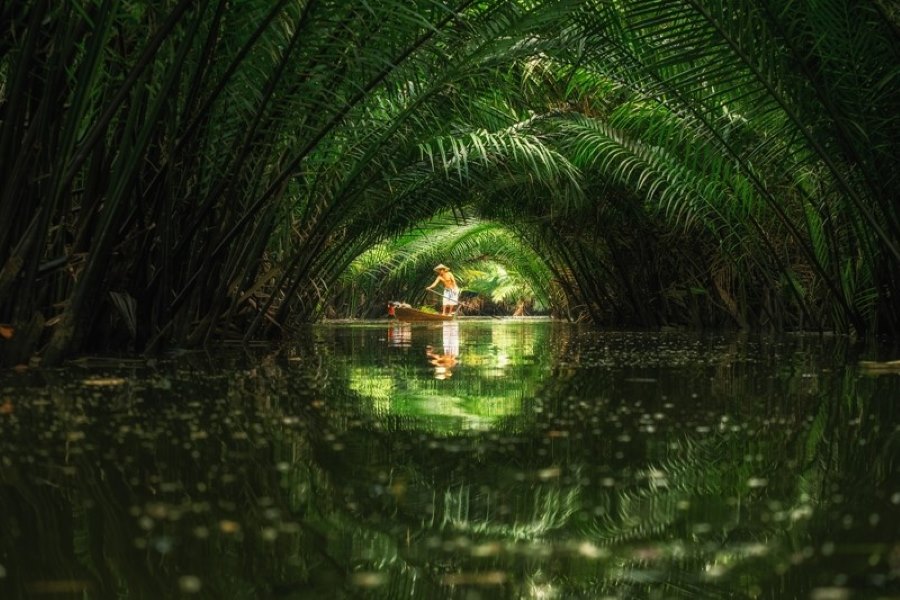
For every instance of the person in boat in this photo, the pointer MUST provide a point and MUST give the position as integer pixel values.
(451, 289)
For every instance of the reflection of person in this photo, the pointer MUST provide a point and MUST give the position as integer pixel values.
(451, 289)
(444, 363)
(450, 335)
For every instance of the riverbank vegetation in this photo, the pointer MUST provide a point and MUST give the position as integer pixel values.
(184, 171)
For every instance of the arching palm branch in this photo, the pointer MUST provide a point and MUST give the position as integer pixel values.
(397, 269)
(230, 165)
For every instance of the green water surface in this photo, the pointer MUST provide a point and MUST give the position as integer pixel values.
(476, 459)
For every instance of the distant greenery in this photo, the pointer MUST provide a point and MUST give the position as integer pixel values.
(182, 171)
(495, 270)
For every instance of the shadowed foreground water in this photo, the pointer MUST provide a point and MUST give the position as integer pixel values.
(480, 459)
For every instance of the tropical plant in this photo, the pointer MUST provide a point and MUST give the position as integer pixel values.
(795, 103)
(181, 171)
(221, 168)
(494, 265)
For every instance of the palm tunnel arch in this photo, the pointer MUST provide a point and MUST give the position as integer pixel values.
(635, 232)
(493, 265)
(661, 198)
(675, 161)
(608, 261)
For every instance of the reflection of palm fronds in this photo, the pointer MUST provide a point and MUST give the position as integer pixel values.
(550, 509)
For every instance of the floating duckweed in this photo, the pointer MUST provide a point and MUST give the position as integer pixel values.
(190, 584)
(549, 473)
(104, 381)
(756, 549)
(830, 593)
(589, 550)
(163, 544)
(229, 527)
(368, 579)
(488, 578)
(289, 528)
(487, 549)
(714, 571)
(801, 512)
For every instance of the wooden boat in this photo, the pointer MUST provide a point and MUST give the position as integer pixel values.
(405, 313)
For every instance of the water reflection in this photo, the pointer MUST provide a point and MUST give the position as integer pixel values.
(443, 362)
(555, 462)
(400, 334)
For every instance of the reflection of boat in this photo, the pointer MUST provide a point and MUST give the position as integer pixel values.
(400, 334)
(404, 313)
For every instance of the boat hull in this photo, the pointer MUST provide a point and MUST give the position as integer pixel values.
(411, 314)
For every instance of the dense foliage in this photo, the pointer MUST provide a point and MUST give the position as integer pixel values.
(186, 170)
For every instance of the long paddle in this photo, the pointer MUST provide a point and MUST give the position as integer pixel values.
(469, 306)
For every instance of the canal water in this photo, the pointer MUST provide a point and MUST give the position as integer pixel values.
(477, 459)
